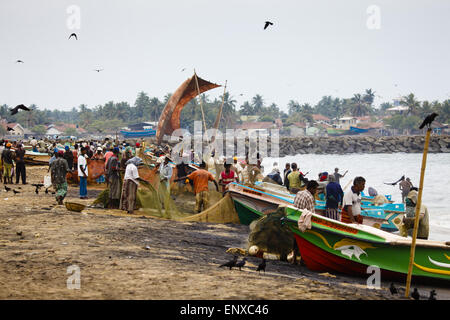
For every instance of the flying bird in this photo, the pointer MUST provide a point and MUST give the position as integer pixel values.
(19, 61)
(266, 24)
(428, 120)
(98, 70)
(230, 264)
(7, 189)
(16, 109)
(241, 263)
(10, 129)
(415, 294)
(393, 289)
(183, 69)
(432, 295)
(262, 266)
(394, 183)
(73, 35)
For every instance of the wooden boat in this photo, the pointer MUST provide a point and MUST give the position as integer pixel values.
(36, 158)
(337, 131)
(333, 246)
(252, 202)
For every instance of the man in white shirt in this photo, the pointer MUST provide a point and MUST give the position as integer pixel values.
(130, 185)
(165, 173)
(83, 173)
(351, 204)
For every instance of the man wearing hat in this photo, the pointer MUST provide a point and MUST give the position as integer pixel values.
(7, 161)
(59, 169)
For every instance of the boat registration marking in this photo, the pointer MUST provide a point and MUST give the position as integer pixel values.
(337, 226)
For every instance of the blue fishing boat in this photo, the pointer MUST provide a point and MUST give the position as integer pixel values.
(356, 130)
(139, 133)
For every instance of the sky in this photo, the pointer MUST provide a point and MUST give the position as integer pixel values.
(313, 48)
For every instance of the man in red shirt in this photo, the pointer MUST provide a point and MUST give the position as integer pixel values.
(227, 176)
(200, 178)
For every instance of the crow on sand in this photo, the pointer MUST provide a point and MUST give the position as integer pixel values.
(415, 294)
(262, 266)
(241, 263)
(393, 289)
(230, 264)
(266, 24)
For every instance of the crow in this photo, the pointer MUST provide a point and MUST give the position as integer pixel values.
(16, 109)
(393, 289)
(241, 263)
(230, 264)
(415, 294)
(394, 183)
(73, 35)
(10, 129)
(266, 24)
(428, 120)
(262, 266)
(7, 189)
(15, 191)
(19, 61)
(432, 295)
(37, 185)
(46, 190)
(37, 190)
(183, 69)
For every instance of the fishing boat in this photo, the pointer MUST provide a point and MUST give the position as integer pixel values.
(333, 246)
(337, 131)
(36, 158)
(252, 202)
(356, 130)
(138, 133)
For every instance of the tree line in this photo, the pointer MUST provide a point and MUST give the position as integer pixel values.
(111, 116)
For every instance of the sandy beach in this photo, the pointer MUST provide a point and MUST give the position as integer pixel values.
(135, 257)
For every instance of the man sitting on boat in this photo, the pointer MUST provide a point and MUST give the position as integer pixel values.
(351, 204)
(296, 179)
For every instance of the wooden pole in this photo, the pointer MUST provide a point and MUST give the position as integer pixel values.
(219, 115)
(416, 219)
(201, 105)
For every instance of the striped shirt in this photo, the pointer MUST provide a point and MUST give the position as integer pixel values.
(305, 200)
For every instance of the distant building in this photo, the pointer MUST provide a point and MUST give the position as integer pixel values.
(262, 125)
(249, 118)
(346, 122)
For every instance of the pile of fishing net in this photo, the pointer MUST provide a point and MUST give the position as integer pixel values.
(270, 235)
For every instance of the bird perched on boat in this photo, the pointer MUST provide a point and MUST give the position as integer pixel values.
(230, 264)
(428, 120)
(15, 191)
(7, 189)
(73, 35)
(16, 109)
(432, 295)
(415, 294)
(394, 183)
(266, 24)
(262, 266)
(241, 263)
(393, 289)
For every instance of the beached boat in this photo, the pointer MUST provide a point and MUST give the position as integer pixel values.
(36, 158)
(356, 130)
(333, 246)
(253, 202)
(337, 131)
(138, 133)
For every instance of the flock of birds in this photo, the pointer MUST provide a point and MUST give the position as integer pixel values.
(37, 185)
(415, 294)
(234, 263)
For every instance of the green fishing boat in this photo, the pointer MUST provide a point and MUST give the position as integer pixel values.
(333, 246)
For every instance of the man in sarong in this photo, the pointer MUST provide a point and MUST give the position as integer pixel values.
(130, 185)
(334, 195)
(113, 179)
(59, 169)
(351, 204)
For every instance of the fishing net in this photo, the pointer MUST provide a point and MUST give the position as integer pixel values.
(270, 235)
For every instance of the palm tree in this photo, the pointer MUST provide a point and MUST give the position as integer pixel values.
(229, 108)
(257, 103)
(294, 107)
(246, 109)
(412, 104)
(358, 107)
(369, 97)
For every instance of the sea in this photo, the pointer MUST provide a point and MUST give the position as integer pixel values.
(379, 169)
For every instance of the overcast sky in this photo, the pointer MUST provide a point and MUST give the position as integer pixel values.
(314, 48)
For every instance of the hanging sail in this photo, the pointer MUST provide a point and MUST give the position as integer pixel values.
(169, 120)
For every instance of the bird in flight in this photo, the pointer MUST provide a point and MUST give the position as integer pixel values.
(19, 61)
(266, 24)
(428, 120)
(98, 70)
(16, 109)
(394, 183)
(10, 129)
(73, 35)
(183, 69)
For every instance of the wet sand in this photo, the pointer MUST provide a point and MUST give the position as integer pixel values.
(123, 257)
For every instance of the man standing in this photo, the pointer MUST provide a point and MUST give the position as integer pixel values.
(68, 156)
(130, 185)
(165, 173)
(351, 204)
(334, 195)
(305, 199)
(338, 176)
(227, 176)
(59, 169)
(201, 178)
(7, 161)
(286, 172)
(113, 179)
(20, 164)
(83, 173)
(34, 143)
